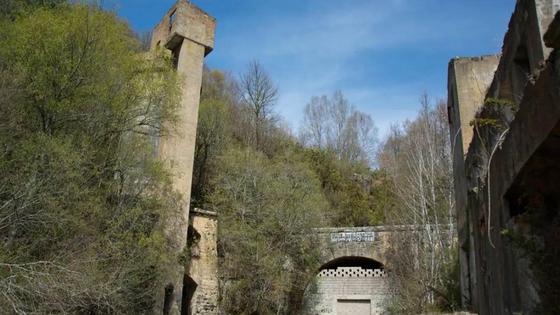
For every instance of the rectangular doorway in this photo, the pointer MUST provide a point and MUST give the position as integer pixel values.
(353, 307)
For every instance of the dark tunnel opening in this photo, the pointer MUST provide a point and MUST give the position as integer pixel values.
(352, 261)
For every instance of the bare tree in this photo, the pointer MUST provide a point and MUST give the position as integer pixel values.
(417, 156)
(314, 132)
(260, 94)
(334, 124)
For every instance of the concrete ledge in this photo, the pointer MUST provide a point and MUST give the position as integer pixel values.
(379, 228)
(197, 211)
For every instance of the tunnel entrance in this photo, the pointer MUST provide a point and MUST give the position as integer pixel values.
(348, 285)
(352, 261)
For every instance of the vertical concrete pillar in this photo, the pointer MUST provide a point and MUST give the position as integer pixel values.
(188, 33)
(178, 148)
(468, 82)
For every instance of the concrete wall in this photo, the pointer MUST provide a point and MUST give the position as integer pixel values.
(468, 83)
(366, 242)
(188, 33)
(523, 51)
(494, 189)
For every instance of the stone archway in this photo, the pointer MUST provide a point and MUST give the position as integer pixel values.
(348, 285)
(189, 288)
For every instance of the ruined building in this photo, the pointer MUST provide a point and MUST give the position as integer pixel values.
(504, 117)
(187, 33)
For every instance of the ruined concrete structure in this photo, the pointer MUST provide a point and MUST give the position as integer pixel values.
(351, 290)
(504, 120)
(352, 278)
(202, 269)
(469, 79)
(188, 33)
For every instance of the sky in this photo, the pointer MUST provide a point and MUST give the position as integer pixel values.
(382, 54)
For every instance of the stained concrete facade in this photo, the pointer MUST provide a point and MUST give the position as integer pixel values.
(188, 33)
(369, 242)
(506, 188)
(469, 80)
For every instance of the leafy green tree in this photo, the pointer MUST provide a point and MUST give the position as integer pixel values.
(417, 159)
(259, 95)
(12, 8)
(214, 130)
(267, 211)
(83, 200)
(358, 196)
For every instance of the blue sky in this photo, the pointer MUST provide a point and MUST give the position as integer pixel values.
(382, 54)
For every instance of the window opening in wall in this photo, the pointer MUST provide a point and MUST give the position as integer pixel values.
(533, 228)
(522, 60)
(353, 307)
(522, 71)
(193, 237)
(168, 299)
(189, 287)
(175, 56)
(172, 19)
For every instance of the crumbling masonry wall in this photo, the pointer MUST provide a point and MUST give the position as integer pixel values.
(507, 195)
(203, 262)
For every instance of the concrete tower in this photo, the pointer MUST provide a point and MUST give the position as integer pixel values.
(188, 32)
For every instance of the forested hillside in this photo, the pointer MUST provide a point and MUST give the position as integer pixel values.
(86, 206)
(82, 197)
(271, 187)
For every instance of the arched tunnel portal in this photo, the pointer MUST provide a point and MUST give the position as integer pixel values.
(348, 285)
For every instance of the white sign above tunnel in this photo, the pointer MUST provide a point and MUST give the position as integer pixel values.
(342, 237)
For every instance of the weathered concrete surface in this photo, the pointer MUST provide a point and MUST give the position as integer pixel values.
(367, 242)
(184, 20)
(344, 285)
(350, 290)
(203, 266)
(523, 51)
(522, 171)
(468, 83)
(189, 33)
(352, 279)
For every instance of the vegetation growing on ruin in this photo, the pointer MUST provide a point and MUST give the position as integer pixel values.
(499, 102)
(486, 122)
